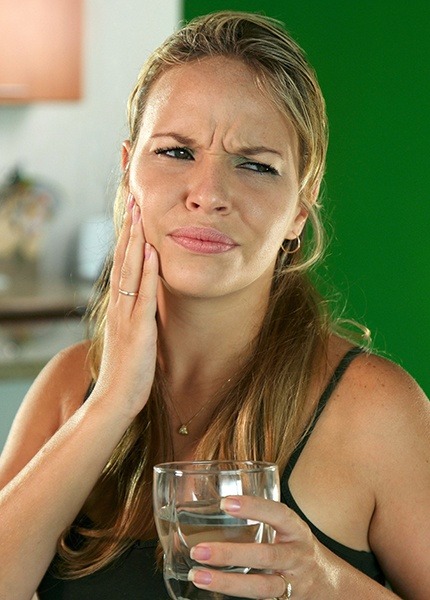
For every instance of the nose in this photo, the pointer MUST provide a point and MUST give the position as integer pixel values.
(209, 190)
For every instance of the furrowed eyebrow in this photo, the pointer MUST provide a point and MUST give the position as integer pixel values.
(253, 150)
(242, 151)
(181, 139)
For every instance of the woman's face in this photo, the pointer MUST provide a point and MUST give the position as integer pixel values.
(215, 173)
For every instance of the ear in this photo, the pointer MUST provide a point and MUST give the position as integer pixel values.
(302, 213)
(125, 155)
(299, 222)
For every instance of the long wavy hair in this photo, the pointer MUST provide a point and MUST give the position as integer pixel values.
(260, 415)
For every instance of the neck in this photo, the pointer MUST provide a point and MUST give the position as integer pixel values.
(203, 340)
(203, 343)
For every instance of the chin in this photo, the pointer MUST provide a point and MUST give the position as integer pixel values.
(195, 280)
(193, 289)
(211, 281)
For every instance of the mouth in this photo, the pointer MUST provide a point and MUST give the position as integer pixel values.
(202, 240)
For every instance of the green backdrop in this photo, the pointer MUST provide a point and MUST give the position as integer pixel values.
(372, 59)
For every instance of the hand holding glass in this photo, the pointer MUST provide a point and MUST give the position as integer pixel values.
(187, 511)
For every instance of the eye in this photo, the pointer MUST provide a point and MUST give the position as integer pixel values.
(259, 167)
(176, 152)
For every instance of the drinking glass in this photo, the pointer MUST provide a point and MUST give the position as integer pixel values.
(187, 511)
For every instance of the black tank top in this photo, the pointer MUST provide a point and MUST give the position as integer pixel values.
(135, 576)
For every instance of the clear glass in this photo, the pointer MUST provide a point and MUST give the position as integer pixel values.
(187, 512)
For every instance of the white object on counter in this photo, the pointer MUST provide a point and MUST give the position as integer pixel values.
(95, 239)
(4, 282)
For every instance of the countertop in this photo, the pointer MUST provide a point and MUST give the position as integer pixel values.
(34, 299)
(37, 319)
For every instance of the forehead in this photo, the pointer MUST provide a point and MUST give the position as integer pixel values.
(214, 70)
(216, 92)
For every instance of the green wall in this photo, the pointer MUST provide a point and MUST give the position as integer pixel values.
(372, 59)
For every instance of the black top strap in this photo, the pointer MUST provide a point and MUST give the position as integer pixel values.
(334, 380)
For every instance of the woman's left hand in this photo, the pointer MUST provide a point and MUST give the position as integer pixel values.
(296, 554)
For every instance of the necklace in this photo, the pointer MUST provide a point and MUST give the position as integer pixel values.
(183, 428)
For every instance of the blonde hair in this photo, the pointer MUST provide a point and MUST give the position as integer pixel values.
(260, 416)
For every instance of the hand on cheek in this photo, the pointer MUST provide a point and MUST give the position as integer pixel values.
(129, 354)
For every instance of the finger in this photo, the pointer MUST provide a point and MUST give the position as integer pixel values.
(241, 585)
(257, 556)
(287, 524)
(132, 266)
(146, 301)
(119, 254)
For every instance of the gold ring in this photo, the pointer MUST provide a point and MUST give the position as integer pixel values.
(125, 293)
(288, 592)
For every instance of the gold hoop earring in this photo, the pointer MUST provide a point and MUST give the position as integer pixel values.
(288, 250)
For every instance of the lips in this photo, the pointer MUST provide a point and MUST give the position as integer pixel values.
(203, 240)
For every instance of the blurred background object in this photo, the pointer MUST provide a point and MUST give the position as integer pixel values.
(95, 241)
(26, 206)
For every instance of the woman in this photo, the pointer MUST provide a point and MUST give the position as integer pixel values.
(209, 341)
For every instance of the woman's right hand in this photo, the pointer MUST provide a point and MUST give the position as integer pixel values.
(130, 345)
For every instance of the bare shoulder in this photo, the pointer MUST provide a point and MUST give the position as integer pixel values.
(66, 378)
(383, 405)
(54, 396)
(375, 401)
(390, 416)
(377, 388)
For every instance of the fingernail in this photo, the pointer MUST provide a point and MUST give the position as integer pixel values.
(200, 577)
(148, 250)
(230, 504)
(200, 553)
(136, 213)
(130, 202)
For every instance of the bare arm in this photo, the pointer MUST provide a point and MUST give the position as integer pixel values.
(48, 492)
(45, 484)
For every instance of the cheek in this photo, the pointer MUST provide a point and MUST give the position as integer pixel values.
(139, 182)
(151, 187)
(157, 212)
(146, 191)
(273, 219)
(150, 216)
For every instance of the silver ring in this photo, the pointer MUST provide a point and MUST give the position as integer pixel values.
(288, 592)
(125, 293)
